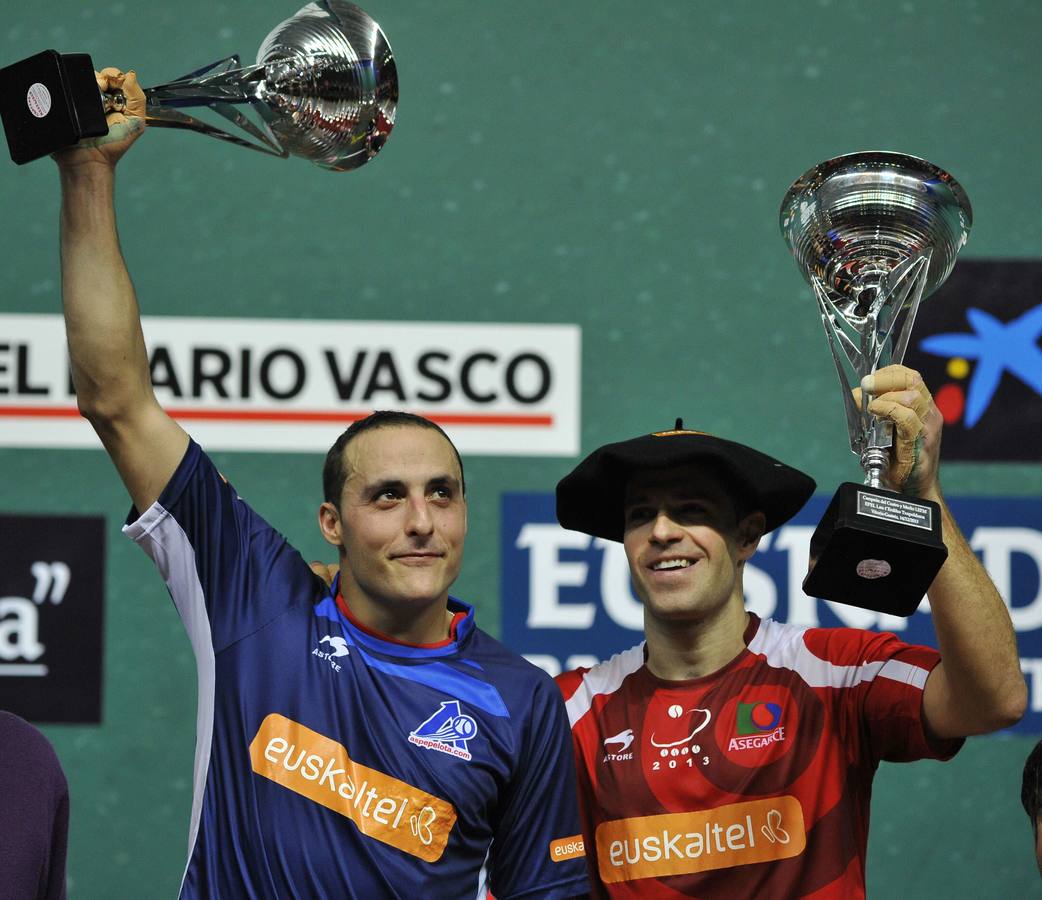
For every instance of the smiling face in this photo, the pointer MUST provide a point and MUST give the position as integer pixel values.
(685, 544)
(400, 527)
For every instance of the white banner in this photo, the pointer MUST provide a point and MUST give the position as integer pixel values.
(289, 384)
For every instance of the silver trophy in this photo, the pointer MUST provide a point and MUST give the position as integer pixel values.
(874, 233)
(324, 87)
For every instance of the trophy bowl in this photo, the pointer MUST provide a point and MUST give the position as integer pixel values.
(852, 220)
(330, 83)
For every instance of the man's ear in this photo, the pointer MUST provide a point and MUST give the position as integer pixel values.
(329, 524)
(750, 530)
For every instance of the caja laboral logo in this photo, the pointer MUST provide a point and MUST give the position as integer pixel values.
(978, 345)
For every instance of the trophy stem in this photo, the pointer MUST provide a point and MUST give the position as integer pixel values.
(220, 86)
(224, 81)
(875, 461)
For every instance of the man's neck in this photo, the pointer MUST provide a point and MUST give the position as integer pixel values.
(682, 650)
(409, 625)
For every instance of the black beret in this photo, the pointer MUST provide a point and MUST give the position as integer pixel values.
(591, 498)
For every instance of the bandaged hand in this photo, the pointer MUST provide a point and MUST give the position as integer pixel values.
(125, 125)
(898, 393)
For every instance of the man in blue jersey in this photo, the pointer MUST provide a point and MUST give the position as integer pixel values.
(366, 741)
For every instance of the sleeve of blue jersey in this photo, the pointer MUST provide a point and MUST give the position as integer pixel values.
(217, 554)
(539, 808)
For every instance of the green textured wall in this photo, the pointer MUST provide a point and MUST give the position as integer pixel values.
(610, 164)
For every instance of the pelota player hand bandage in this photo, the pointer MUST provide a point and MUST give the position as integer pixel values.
(900, 395)
(124, 123)
(131, 119)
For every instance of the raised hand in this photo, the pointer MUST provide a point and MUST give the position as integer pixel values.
(900, 395)
(125, 126)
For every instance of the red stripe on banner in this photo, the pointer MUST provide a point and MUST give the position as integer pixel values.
(303, 415)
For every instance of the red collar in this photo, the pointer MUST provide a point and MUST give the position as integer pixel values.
(346, 610)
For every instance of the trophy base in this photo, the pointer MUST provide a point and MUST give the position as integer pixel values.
(876, 550)
(49, 101)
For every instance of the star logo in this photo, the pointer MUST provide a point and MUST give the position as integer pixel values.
(997, 348)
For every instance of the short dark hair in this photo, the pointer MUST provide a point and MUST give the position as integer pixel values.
(1031, 786)
(334, 471)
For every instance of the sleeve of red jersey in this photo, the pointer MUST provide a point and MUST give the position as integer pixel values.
(569, 682)
(884, 691)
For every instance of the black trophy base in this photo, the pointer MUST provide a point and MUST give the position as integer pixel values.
(876, 549)
(49, 101)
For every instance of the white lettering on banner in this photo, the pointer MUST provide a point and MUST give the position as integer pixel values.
(20, 644)
(1032, 668)
(761, 593)
(19, 630)
(997, 546)
(52, 581)
(547, 574)
(619, 602)
(278, 384)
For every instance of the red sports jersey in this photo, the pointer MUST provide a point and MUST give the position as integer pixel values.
(753, 781)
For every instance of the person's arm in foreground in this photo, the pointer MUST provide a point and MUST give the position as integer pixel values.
(106, 348)
(978, 686)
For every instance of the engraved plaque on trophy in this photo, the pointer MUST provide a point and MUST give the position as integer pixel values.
(874, 233)
(324, 87)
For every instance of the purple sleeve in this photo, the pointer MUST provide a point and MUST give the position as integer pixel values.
(34, 813)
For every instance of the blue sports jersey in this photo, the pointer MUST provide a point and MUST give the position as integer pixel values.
(332, 763)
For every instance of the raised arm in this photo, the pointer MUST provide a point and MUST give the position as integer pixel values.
(978, 686)
(106, 348)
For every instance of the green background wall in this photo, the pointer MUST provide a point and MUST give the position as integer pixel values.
(611, 164)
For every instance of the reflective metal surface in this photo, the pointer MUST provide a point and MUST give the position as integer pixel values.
(325, 87)
(874, 233)
(852, 219)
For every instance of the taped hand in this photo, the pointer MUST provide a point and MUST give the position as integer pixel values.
(125, 124)
(900, 395)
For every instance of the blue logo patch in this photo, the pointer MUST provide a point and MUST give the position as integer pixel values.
(447, 730)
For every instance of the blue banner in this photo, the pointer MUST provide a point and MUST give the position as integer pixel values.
(567, 601)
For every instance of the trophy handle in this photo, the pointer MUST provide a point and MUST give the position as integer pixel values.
(218, 86)
(846, 354)
(162, 117)
(901, 289)
(907, 285)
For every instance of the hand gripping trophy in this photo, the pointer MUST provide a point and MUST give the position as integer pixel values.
(874, 233)
(324, 87)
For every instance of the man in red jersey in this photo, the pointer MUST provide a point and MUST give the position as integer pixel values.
(727, 756)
